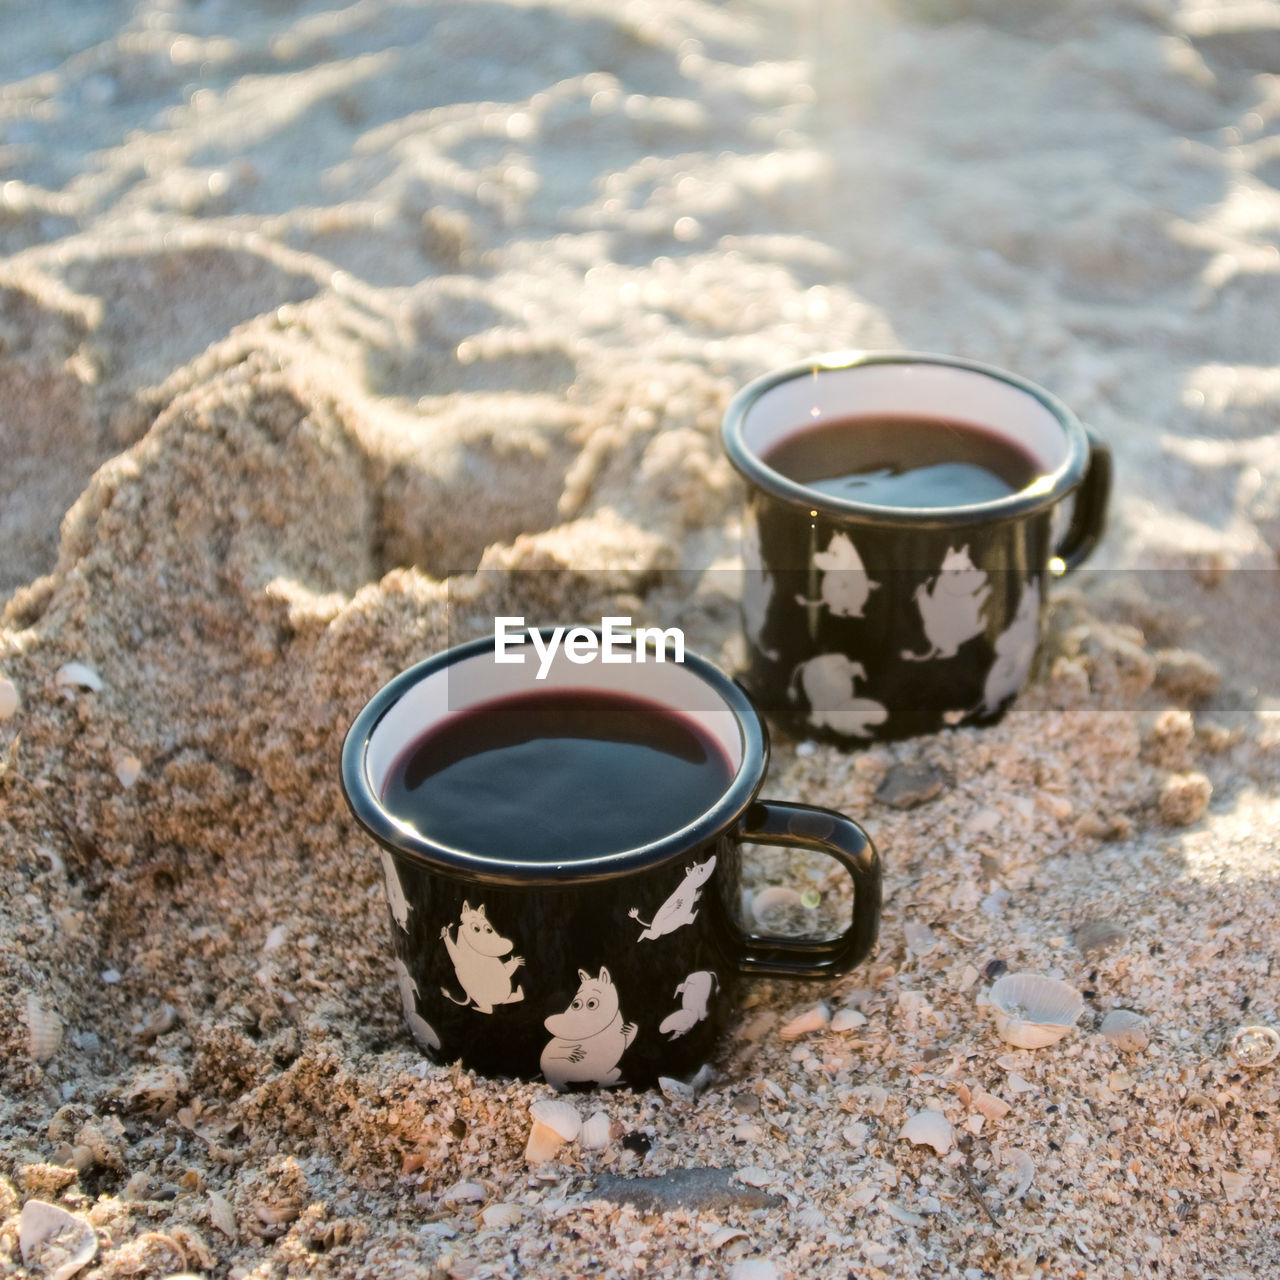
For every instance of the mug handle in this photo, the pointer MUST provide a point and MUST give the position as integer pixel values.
(1089, 518)
(801, 826)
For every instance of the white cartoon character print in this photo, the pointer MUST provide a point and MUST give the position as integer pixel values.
(399, 904)
(695, 993)
(588, 1037)
(845, 584)
(477, 953)
(951, 609)
(682, 906)
(829, 682)
(423, 1032)
(1015, 647)
(757, 586)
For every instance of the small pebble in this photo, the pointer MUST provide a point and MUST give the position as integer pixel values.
(128, 770)
(1125, 1029)
(907, 786)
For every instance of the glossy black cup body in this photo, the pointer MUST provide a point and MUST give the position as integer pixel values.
(867, 622)
(594, 972)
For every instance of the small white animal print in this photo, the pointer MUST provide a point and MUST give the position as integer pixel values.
(589, 1037)
(682, 906)
(951, 609)
(829, 682)
(1015, 648)
(400, 907)
(757, 586)
(695, 992)
(477, 953)
(423, 1032)
(845, 585)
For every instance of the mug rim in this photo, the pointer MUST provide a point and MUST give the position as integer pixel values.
(401, 840)
(1053, 487)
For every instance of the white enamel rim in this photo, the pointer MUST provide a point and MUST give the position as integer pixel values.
(465, 678)
(852, 383)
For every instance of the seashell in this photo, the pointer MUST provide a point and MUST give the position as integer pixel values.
(1033, 1011)
(76, 675)
(754, 1176)
(848, 1019)
(722, 1235)
(560, 1117)
(902, 1215)
(44, 1030)
(929, 1128)
(501, 1215)
(194, 1247)
(870, 1098)
(1125, 1029)
(223, 1216)
(987, 1104)
(9, 699)
(747, 1132)
(276, 1215)
(595, 1132)
(128, 770)
(544, 1142)
(675, 1090)
(1026, 1171)
(464, 1193)
(856, 1134)
(155, 1024)
(919, 937)
(770, 906)
(1254, 1046)
(56, 1241)
(815, 1019)
(753, 1269)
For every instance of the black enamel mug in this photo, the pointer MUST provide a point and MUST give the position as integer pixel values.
(605, 970)
(868, 620)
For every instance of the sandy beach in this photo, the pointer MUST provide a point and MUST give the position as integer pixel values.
(329, 331)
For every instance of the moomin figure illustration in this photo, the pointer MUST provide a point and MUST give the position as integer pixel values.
(1015, 648)
(588, 1037)
(682, 906)
(951, 609)
(695, 993)
(829, 682)
(400, 907)
(477, 955)
(845, 585)
(423, 1032)
(757, 586)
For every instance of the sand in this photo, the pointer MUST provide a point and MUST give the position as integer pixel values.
(327, 333)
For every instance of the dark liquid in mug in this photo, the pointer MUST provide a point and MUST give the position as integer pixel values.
(557, 776)
(896, 460)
